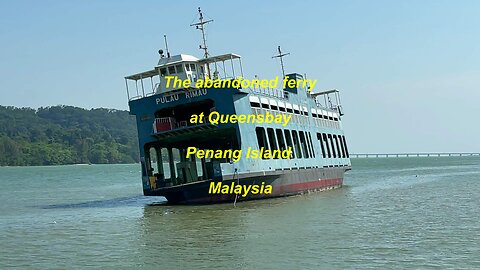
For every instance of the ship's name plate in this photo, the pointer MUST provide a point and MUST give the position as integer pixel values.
(167, 98)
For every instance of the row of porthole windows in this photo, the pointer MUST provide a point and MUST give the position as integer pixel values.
(278, 139)
(301, 119)
(290, 110)
(333, 145)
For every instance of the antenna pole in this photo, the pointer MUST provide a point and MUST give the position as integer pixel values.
(200, 26)
(281, 55)
(166, 46)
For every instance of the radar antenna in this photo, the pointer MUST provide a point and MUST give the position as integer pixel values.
(200, 25)
(281, 55)
(166, 46)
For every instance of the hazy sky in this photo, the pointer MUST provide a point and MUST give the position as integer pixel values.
(408, 71)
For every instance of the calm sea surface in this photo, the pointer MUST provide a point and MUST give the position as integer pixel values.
(393, 213)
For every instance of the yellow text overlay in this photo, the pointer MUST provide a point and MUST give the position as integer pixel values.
(235, 155)
(175, 82)
(243, 190)
(217, 118)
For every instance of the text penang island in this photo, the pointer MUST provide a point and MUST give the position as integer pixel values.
(235, 155)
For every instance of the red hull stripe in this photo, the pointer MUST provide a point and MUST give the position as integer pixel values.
(309, 185)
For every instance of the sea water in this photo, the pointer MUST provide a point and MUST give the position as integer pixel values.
(392, 213)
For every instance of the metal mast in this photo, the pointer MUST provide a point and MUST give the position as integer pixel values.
(199, 25)
(281, 55)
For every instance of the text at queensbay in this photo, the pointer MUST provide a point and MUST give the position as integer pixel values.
(175, 82)
(217, 118)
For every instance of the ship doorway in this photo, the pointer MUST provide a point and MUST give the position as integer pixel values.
(167, 163)
(169, 167)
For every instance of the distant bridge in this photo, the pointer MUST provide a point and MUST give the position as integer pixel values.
(414, 155)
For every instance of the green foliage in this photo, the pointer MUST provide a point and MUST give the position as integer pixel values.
(66, 135)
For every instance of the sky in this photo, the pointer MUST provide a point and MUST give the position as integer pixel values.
(408, 71)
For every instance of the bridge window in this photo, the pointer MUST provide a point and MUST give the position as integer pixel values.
(171, 70)
(163, 71)
(179, 68)
(192, 67)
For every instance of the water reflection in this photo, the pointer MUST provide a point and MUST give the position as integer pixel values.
(224, 236)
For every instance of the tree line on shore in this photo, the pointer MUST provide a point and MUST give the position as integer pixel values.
(60, 135)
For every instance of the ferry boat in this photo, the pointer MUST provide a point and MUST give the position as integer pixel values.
(320, 154)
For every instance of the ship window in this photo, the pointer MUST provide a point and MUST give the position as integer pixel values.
(282, 109)
(255, 104)
(171, 70)
(304, 145)
(261, 138)
(154, 161)
(166, 164)
(265, 106)
(310, 145)
(330, 139)
(176, 159)
(345, 144)
(341, 146)
(319, 137)
(325, 139)
(289, 110)
(192, 67)
(271, 139)
(274, 107)
(297, 111)
(288, 138)
(280, 140)
(163, 71)
(297, 144)
(199, 167)
(187, 67)
(338, 146)
(179, 68)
